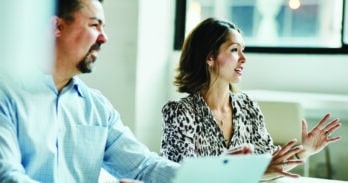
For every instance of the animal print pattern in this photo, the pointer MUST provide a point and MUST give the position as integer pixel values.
(189, 128)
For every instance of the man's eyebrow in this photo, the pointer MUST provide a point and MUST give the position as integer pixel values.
(98, 19)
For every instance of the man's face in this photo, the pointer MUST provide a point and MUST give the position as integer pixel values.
(81, 39)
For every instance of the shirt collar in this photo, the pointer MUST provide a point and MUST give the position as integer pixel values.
(78, 86)
(75, 85)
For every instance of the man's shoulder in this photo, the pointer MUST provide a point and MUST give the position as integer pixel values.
(81, 86)
(91, 93)
(8, 86)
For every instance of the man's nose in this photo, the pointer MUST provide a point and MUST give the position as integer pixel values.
(103, 38)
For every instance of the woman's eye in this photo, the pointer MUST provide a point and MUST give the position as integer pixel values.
(234, 49)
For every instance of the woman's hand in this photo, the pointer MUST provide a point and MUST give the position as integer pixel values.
(319, 137)
(244, 149)
(283, 160)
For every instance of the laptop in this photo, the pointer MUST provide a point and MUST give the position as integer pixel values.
(223, 169)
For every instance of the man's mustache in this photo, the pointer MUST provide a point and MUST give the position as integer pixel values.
(95, 46)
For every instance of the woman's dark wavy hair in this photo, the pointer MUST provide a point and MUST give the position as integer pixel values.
(66, 8)
(202, 43)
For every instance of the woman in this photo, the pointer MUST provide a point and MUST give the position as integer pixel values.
(215, 117)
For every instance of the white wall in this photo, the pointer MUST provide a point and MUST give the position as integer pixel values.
(305, 73)
(132, 70)
(115, 74)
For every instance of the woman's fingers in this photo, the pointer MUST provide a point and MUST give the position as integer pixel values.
(304, 128)
(289, 174)
(330, 140)
(245, 149)
(240, 151)
(287, 147)
(332, 126)
(282, 167)
(292, 162)
(283, 160)
(322, 121)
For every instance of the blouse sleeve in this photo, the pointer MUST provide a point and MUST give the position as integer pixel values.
(178, 134)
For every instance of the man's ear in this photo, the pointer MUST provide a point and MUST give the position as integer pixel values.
(56, 24)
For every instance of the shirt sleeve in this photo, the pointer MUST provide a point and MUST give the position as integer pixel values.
(11, 169)
(126, 157)
(178, 135)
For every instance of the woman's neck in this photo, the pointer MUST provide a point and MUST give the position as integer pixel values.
(217, 99)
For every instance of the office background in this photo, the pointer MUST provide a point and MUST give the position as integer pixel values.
(136, 67)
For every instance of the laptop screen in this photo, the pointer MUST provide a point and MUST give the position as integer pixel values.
(223, 169)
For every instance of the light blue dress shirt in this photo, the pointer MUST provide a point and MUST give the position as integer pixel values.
(66, 137)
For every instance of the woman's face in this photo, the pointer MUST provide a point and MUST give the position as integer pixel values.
(228, 65)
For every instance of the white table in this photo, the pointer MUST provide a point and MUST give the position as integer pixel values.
(304, 180)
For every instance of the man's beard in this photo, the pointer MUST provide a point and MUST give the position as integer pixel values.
(86, 65)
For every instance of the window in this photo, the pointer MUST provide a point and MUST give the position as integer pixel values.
(284, 26)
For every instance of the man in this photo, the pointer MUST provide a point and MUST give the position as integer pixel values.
(59, 130)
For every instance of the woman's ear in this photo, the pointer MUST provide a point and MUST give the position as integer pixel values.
(210, 61)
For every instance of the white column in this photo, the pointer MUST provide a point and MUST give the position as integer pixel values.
(267, 33)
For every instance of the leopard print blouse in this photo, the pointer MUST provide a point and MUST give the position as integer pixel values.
(189, 129)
